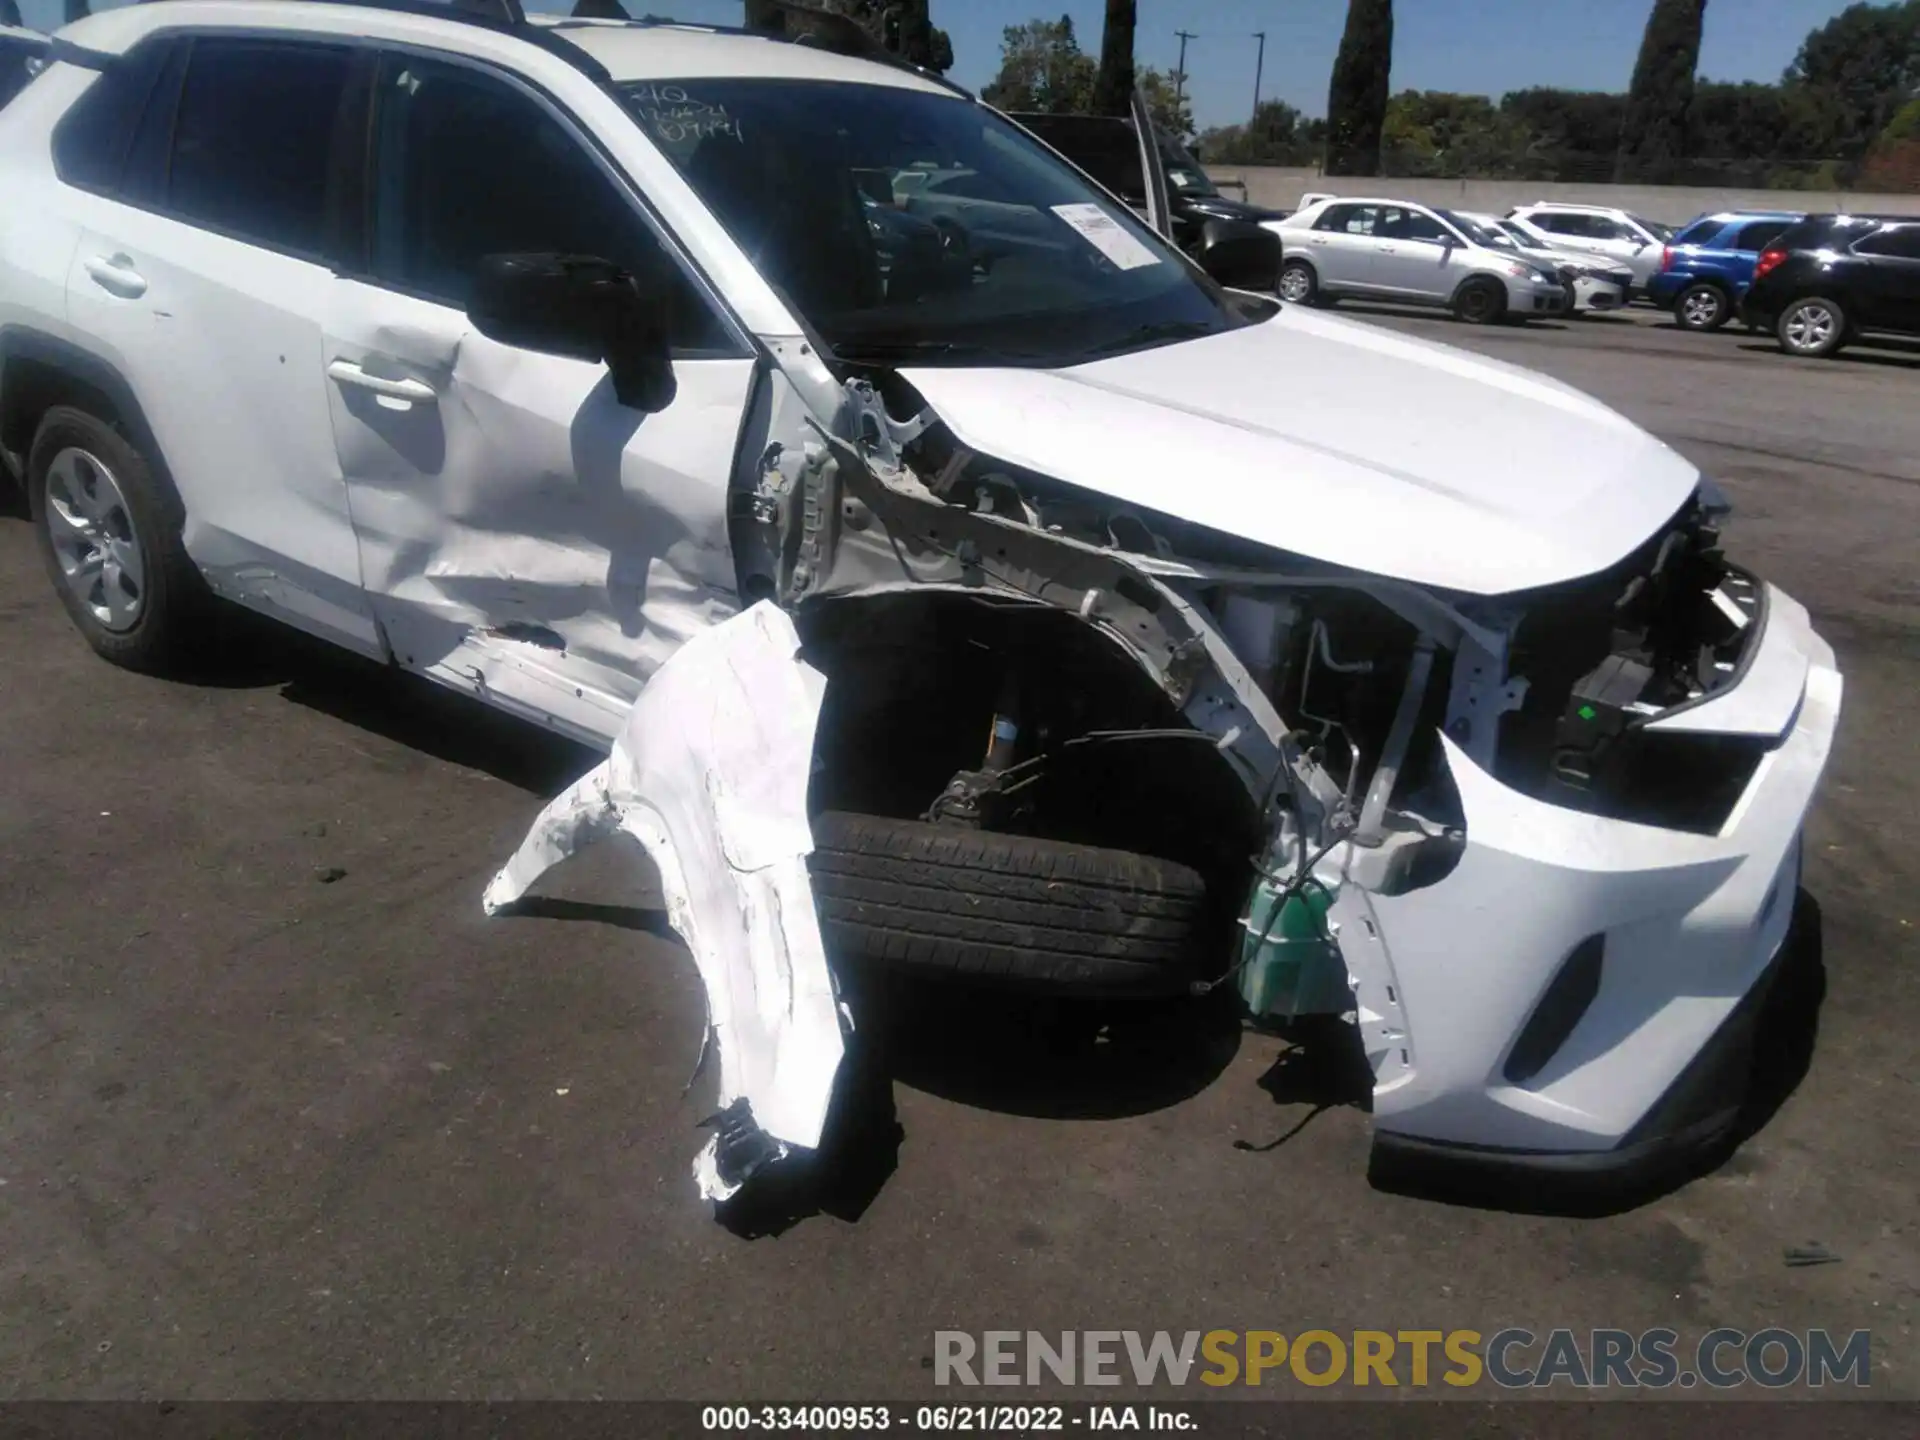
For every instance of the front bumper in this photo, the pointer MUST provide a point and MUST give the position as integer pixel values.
(1449, 978)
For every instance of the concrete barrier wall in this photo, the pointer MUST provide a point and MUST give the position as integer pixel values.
(1281, 189)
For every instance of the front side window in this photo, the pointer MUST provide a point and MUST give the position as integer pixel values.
(467, 166)
(1413, 225)
(253, 139)
(1052, 271)
(1902, 242)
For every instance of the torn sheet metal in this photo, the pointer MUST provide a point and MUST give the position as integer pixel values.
(506, 488)
(710, 775)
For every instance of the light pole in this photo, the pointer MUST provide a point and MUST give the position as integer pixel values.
(1180, 75)
(1259, 63)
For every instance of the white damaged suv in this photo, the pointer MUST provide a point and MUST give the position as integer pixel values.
(993, 593)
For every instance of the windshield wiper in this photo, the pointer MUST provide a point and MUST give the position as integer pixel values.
(1144, 335)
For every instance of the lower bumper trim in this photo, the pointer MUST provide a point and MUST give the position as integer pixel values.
(1688, 1131)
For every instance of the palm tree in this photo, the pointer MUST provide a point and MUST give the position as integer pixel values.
(1113, 89)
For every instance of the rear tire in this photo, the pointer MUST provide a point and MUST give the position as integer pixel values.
(109, 530)
(1480, 302)
(1813, 326)
(1702, 307)
(1010, 909)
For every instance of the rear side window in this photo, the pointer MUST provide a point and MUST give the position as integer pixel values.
(1349, 219)
(253, 140)
(1560, 224)
(15, 57)
(1899, 241)
(1760, 234)
(90, 142)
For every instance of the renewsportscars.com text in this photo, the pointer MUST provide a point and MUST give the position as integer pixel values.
(1512, 1358)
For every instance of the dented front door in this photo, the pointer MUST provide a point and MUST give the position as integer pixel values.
(522, 535)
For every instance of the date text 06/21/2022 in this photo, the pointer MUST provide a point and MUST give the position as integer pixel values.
(925, 1419)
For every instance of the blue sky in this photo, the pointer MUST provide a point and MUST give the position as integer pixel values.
(1479, 46)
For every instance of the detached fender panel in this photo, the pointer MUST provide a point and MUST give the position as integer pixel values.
(710, 775)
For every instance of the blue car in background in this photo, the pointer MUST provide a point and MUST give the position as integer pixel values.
(1709, 265)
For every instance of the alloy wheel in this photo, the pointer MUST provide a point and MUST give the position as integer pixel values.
(94, 540)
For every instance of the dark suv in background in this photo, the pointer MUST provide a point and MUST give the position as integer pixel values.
(1108, 148)
(1831, 277)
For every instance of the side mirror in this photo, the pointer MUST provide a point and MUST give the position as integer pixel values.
(583, 308)
(1239, 254)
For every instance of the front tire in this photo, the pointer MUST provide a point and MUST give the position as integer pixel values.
(1480, 302)
(1005, 909)
(1813, 326)
(1702, 307)
(109, 530)
(1298, 284)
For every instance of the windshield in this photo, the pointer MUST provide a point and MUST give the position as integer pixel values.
(1189, 179)
(909, 225)
(1478, 231)
(1653, 227)
(1521, 238)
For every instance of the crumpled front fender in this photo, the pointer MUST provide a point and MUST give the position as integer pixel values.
(709, 773)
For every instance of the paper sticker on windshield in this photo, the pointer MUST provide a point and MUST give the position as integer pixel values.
(1105, 234)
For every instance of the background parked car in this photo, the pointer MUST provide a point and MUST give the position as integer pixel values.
(1598, 283)
(1705, 271)
(21, 52)
(1397, 250)
(1620, 235)
(1108, 148)
(1831, 277)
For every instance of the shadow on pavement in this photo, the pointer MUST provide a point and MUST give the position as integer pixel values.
(249, 652)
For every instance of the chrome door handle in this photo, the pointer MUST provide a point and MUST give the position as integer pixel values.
(115, 274)
(414, 391)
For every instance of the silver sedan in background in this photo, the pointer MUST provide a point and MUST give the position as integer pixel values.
(1599, 283)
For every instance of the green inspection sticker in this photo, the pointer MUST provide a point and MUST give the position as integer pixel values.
(1586, 712)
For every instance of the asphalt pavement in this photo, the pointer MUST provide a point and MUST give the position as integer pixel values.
(282, 1114)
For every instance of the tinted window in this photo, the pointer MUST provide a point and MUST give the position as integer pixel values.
(252, 139)
(1560, 224)
(1698, 233)
(466, 166)
(1901, 241)
(1106, 149)
(14, 74)
(90, 142)
(1411, 225)
(1760, 234)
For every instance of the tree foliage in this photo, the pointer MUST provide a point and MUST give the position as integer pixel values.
(1862, 66)
(1276, 135)
(902, 26)
(1357, 96)
(1113, 89)
(1653, 132)
(1042, 68)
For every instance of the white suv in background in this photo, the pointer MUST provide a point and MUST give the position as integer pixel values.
(1359, 249)
(1634, 241)
(579, 366)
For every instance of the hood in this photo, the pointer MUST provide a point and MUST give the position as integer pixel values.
(1223, 207)
(1339, 441)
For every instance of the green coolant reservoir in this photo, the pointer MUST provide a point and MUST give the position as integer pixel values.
(1288, 965)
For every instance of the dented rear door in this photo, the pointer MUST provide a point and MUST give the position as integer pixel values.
(522, 535)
